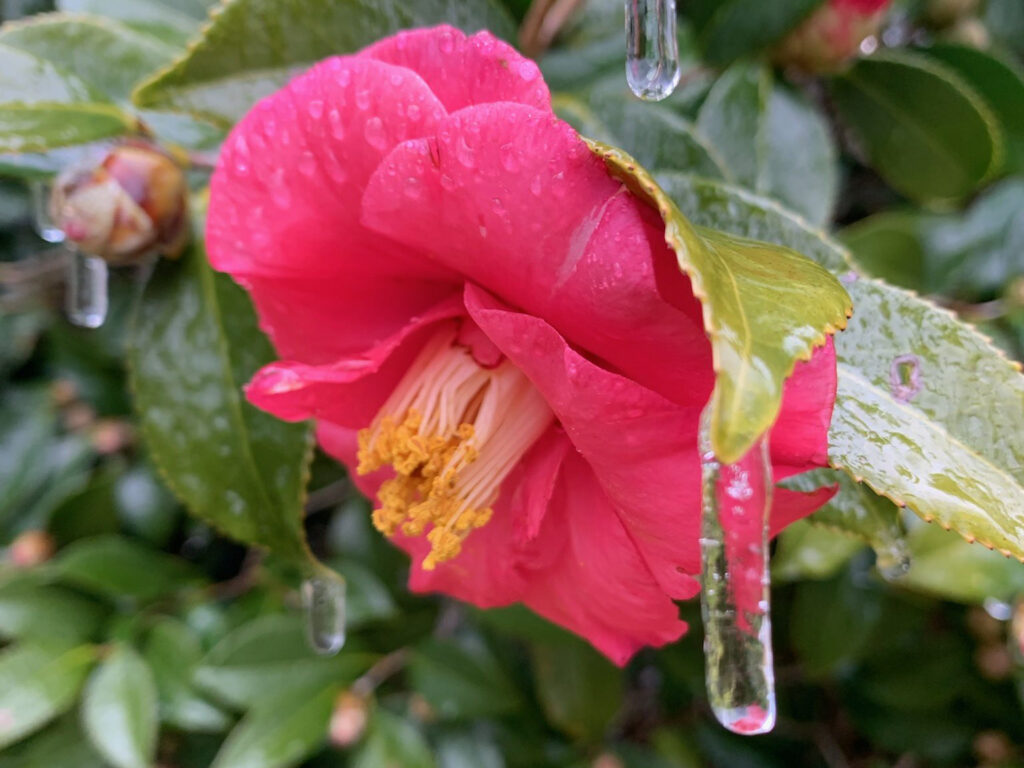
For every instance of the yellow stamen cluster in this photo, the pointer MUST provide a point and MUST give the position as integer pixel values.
(424, 491)
(453, 431)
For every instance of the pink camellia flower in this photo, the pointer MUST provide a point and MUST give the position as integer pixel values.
(832, 35)
(489, 331)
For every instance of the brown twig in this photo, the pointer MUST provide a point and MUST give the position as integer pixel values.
(542, 23)
(387, 666)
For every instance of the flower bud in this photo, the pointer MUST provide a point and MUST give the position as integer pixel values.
(133, 202)
(831, 36)
(30, 549)
(348, 720)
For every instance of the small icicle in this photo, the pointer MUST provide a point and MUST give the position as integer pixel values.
(324, 600)
(86, 296)
(42, 222)
(735, 587)
(652, 49)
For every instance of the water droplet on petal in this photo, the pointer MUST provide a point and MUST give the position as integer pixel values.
(414, 113)
(334, 121)
(373, 131)
(324, 601)
(464, 153)
(447, 182)
(652, 49)
(736, 501)
(509, 158)
(279, 191)
(363, 99)
(86, 297)
(535, 186)
(307, 164)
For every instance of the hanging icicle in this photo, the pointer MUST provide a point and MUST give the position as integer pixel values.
(652, 49)
(735, 586)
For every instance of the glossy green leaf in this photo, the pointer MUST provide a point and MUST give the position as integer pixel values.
(119, 567)
(58, 745)
(579, 689)
(367, 599)
(282, 729)
(156, 18)
(237, 468)
(857, 511)
(119, 709)
(729, 29)
(807, 551)
(37, 683)
(41, 126)
(773, 141)
(271, 654)
(921, 126)
(249, 51)
(833, 620)
(108, 56)
(468, 750)
(949, 448)
(765, 307)
(952, 569)
(46, 612)
(392, 741)
(890, 245)
(173, 652)
(655, 135)
(29, 79)
(1000, 82)
(461, 680)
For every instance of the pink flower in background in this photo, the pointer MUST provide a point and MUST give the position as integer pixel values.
(832, 35)
(489, 331)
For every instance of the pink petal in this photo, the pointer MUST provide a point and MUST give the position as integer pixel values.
(463, 71)
(510, 197)
(284, 209)
(350, 390)
(643, 448)
(600, 586)
(799, 439)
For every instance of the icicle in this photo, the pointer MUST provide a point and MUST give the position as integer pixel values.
(652, 50)
(892, 559)
(42, 222)
(324, 601)
(86, 297)
(735, 587)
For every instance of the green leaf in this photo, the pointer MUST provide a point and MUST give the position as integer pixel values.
(889, 245)
(392, 742)
(160, 20)
(119, 710)
(729, 29)
(281, 730)
(61, 744)
(832, 621)
(44, 612)
(954, 451)
(239, 469)
(765, 307)
(468, 750)
(106, 55)
(271, 654)
(253, 47)
(1000, 82)
(367, 599)
(807, 551)
(951, 569)
(117, 567)
(173, 652)
(29, 79)
(41, 126)
(774, 141)
(857, 511)
(37, 683)
(922, 127)
(461, 680)
(579, 690)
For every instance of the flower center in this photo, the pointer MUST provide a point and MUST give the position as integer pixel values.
(452, 430)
